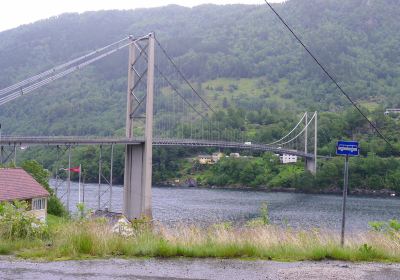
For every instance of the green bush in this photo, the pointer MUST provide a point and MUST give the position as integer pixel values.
(17, 223)
(383, 226)
(55, 207)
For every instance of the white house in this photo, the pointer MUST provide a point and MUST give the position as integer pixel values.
(286, 158)
(392, 111)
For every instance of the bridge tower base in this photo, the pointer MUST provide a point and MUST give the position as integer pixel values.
(137, 182)
(311, 165)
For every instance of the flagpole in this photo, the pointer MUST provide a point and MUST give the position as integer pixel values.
(79, 184)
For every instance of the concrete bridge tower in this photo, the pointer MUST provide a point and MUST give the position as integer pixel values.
(138, 158)
(311, 163)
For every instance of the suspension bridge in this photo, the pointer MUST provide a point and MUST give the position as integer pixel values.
(162, 109)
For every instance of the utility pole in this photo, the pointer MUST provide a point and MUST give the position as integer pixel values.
(345, 187)
(346, 148)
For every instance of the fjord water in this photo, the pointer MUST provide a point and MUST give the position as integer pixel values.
(208, 206)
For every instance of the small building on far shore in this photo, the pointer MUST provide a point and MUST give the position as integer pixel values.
(210, 159)
(217, 156)
(17, 184)
(286, 158)
(205, 159)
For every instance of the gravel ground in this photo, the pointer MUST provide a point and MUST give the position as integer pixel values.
(174, 269)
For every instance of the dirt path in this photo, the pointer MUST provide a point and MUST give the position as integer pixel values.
(174, 269)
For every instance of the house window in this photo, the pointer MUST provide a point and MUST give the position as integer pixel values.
(38, 203)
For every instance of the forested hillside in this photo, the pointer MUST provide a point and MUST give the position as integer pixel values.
(243, 61)
(262, 66)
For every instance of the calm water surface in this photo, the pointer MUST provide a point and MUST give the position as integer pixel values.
(206, 206)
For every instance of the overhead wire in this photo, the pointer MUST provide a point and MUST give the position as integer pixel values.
(329, 75)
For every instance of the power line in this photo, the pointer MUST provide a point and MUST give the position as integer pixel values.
(329, 75)
(183, 77)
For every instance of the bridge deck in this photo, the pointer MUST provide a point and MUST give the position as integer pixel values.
(75, 141)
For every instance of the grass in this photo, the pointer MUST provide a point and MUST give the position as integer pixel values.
(94, 239)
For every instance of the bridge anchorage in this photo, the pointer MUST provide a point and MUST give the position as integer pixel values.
(184, 122)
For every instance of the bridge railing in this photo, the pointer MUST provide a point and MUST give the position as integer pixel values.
(97, 140)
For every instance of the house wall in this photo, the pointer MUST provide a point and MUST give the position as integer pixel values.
(39, 214)
(204, 160)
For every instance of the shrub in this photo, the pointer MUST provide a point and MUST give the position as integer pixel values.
(83, 213)
(17, 223)
(55, 207)
(390, 226)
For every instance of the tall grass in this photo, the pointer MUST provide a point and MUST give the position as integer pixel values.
(88, 239)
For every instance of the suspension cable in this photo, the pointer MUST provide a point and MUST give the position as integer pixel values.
(170, 83)
(301, 120)
(182, 76)
(301, 132)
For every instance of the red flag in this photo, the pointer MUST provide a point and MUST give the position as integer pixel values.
(75, 169)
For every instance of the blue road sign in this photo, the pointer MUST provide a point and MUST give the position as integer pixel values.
(347, 148)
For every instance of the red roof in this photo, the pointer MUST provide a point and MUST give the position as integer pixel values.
(17, 184)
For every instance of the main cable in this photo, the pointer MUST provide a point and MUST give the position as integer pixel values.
(57, 68)
(24, 91)
(287, 135)
(329, 75)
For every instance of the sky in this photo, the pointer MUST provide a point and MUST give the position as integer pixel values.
(14, 13)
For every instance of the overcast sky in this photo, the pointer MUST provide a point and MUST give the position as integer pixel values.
(17, 12)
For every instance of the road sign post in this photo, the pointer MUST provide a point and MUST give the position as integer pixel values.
(347, 149)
